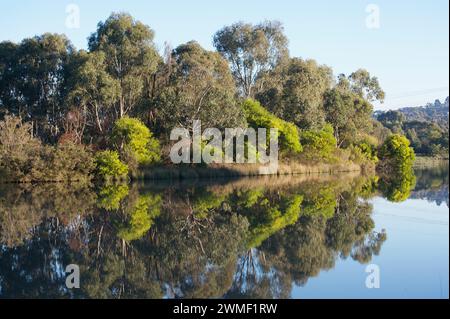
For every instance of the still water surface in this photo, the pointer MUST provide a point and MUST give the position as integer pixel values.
(279, 237)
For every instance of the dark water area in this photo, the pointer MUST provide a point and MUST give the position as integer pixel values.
(315, 236)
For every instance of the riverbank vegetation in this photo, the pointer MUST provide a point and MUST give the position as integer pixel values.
(107, 112)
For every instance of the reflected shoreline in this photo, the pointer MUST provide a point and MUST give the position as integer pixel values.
(221, 238)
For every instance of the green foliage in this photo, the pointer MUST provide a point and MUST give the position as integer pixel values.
(318, 144)
(141, 217)
(397, 154)
(94, 89)
(348, 113)
(248, 198)
(396, 168)
(109, 165)
(427, 138)
(369, 187)
(130, 58)
(365, 85)
(275, 218)
(258, 117)
(425, 127)
(65, 162)
(321, 202)
(393, 120)
(251, 50)
(17, 149)
(33, 81)
(205, 201)
(200, 87)
(364, 153)
(294, 92)
(23, 158)
(132, 135)
(398, 188)
(110, 196)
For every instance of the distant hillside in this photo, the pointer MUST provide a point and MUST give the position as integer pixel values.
(436, 112)
(425, 126)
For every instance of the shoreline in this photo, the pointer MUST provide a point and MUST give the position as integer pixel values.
(187, 172)
(240, 170)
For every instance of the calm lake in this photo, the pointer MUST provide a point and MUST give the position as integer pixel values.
(316, 236)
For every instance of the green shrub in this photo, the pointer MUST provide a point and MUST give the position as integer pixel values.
(258, 117)
(109, 165)
(396, 154)
(396, 168)
(319, 144)
(65, 162)
(369, 151)
(133, 137)
(24, 158)
(364, 154)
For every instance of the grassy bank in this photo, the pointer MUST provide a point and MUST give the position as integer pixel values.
(239, 170)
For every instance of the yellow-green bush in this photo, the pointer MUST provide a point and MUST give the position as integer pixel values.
(276, 218)
(364, 152)
(396, 168)
(319, 144)
(109, 165)
(258, 117)
(132, 136)
(397, 155)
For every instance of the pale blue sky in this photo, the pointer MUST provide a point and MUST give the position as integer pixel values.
(409, 53)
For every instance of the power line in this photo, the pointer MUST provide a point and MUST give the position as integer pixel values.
(418, 93)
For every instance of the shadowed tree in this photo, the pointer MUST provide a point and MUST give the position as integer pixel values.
(94, 91)
(33, 81)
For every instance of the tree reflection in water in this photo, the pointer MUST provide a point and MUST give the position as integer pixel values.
(250, 238)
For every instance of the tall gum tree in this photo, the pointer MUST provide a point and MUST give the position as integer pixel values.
(130, 55)
(251, 50)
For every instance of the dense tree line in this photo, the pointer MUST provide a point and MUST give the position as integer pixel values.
(428, 134)
(121, 97)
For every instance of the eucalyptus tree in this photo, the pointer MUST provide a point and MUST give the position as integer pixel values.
(130, 57)
(349, 114)
(251, 50)
(94, 91)
(362, 83)
(33, 81)
(200, 87)
(294, 91)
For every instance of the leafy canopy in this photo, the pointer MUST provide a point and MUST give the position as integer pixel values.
(251, 50)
